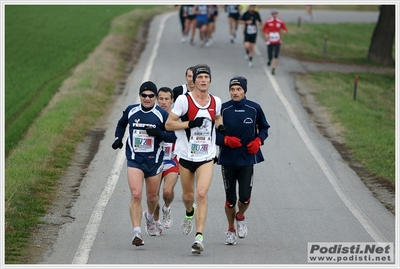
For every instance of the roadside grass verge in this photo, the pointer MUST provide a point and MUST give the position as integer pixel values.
(368, 122)
(345, 43)
(34, 167)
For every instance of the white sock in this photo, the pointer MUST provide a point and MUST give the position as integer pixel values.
(150, 217)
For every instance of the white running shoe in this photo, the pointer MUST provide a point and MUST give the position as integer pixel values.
(137, 239)
(198, 245)
(250, 65)
(167, 218)
(151, 227)
(159, 227)
(230, 238)
(241, 228)
(183, 40)
(187, 223)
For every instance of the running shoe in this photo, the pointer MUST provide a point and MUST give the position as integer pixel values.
(273, 71)
(167, 218)
(187, 223)
(198, 245)
(151, 227)
(269, 62)
(159, 227)
(203, 43)
(183, 40)
(137, 239)
(230, 238)
(250, 64)
(241, 228)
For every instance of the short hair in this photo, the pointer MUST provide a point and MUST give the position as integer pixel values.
(189, 69)
(166, 89)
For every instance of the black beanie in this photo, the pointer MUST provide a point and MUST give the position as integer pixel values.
(148, 86)
(241, 81)
(201, 69)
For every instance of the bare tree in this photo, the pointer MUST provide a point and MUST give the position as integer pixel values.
(381, 46)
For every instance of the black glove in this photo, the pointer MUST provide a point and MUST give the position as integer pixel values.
(223, 129)
(153, 132)
(197, 122)
(117, 143)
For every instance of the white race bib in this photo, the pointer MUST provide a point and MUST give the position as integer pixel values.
(142, 142)
(251, 29)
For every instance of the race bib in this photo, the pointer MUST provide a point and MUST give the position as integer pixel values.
(274, 36)
(251, 29)
(168, 153)
(142, 142)
(199, 146)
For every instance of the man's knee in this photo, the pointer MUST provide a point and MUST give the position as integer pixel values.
(229, 204)
(245, 202)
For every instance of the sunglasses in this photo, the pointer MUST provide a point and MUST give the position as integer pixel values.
(151, 95)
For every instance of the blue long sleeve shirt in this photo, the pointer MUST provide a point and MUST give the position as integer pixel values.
(246, 121)
(139, 146)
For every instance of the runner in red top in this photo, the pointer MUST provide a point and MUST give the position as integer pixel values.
(272, 30)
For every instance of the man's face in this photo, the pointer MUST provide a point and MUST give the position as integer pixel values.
(202, 82)
(147, 99)
(165, 100)
(189, 78)
(237, 93)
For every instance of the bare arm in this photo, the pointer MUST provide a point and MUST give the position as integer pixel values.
(173, 123)
(218, 121)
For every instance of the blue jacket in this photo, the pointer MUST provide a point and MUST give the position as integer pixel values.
(138, 120)
(245, 120)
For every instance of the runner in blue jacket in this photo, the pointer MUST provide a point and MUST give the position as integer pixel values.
(244, 130)
(144, 154)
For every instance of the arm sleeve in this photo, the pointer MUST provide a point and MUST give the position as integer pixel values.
(262, 124)
(122, 123)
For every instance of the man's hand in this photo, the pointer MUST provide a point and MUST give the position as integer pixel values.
(117, 143)
(254, 146)
(197, 122)
(153, 132)
(223, 129)
(232, 141)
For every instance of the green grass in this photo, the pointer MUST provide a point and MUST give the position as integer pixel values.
(34, 166)
(42, 45)
(368, 121)
(345, 43)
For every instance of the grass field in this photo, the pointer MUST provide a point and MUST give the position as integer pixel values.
(43, 45)
(39, 145)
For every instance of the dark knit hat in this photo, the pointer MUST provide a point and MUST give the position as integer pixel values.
(201, 69)
(240, 81)
(148, 86)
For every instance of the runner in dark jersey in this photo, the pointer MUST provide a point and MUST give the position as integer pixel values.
(247, 128)
(144, 154)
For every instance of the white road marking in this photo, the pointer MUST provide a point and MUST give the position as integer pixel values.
(89, 236)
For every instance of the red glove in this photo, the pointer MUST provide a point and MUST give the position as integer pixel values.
(232, 141)
(254, 146)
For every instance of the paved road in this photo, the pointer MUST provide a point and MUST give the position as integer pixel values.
(304, 191)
